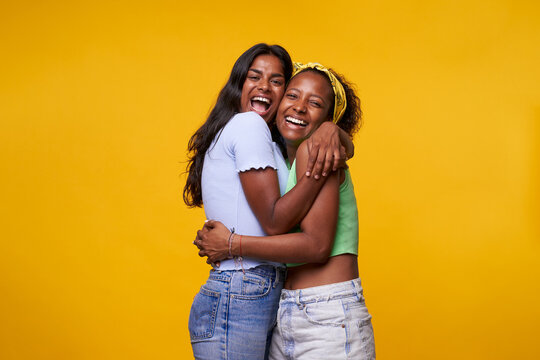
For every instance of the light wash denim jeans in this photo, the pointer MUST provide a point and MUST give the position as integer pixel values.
(323, 322)
(233, 314)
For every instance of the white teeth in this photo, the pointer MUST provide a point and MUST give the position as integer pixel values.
(258, 98)
(295, 121)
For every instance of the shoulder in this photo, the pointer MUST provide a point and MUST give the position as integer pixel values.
(244, 123)
(247, 134)
(302, 153)
(247, 128)
(301, 158)
(247, 120)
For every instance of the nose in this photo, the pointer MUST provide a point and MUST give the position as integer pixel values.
(299, 107)
(263, 85)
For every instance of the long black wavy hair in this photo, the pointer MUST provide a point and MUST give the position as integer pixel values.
(227, 105)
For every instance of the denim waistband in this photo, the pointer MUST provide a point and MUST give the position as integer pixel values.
(247, 263)
(274, 272)
(328, 292)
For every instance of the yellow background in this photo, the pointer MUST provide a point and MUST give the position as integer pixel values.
(98, 100)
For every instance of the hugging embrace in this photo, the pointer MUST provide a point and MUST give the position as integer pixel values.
(282, 237)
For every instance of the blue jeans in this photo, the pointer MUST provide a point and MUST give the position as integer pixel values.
(233, 314)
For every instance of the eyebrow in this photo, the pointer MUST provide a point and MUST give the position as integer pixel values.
(273, 75)
(317, 96)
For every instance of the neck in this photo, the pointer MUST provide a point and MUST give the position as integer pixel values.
(291, 150)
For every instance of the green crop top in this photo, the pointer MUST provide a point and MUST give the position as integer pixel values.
(346, 239)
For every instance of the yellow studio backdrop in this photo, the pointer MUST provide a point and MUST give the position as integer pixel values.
(99, 98)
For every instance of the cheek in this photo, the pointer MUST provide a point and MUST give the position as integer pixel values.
(279, 93)
(320, 117)
(244, 99)
(244, 91)
(282, 106)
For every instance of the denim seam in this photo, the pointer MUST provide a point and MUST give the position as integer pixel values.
(326, 298)
(210, 332)
(227, 305)
(313, 321)
(217, 277)
(252, 297)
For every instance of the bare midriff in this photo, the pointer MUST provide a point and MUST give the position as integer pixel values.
(337, 269)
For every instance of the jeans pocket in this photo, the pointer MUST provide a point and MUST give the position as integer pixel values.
(325, 313)
(202, 317)
(360, 340)
(356, 311)
(366, 341)
(253, 286)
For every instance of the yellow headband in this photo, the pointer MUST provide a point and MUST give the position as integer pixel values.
(340, 100)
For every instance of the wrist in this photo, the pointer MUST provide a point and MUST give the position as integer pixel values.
(331, 126)
(230, 241)
(236, 245)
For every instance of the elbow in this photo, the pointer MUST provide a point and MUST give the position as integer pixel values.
(318, 247)
(273, 227)
(351, 151)
(272, 230)
(321, 254)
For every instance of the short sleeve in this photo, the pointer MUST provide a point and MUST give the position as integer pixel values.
(249, 141)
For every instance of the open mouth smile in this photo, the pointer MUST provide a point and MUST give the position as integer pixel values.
(260, 104)
(295, 121)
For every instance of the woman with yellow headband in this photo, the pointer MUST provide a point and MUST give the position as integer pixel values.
(322, 312)
(237, 171)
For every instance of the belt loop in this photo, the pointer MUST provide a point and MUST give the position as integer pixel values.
(357, 288)
(297, 298)
(277, 276)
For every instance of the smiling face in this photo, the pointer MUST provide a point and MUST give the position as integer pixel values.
(305, 106)
(263, 87)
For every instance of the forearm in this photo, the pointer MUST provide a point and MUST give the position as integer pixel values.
(291, 208)
(277, 214)
(286, 248)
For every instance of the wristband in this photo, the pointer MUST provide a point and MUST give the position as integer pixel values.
(229, 243)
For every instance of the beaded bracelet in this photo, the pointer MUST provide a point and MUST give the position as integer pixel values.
(229, 242)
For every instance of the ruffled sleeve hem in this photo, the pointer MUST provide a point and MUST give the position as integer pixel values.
(255, 167)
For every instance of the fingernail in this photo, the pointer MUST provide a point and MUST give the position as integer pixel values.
(324, 174)
(206, 220)
(316, 177)
(308, 173)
